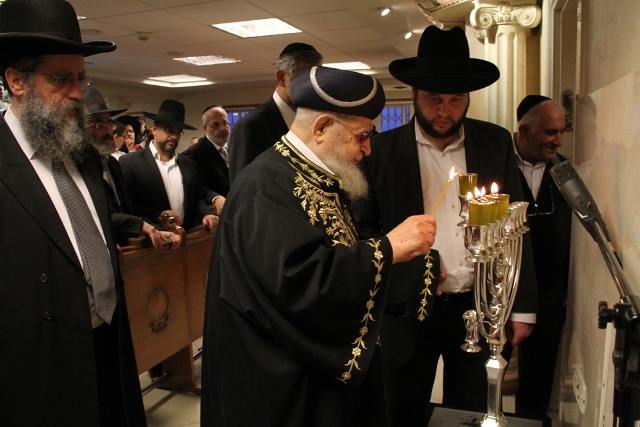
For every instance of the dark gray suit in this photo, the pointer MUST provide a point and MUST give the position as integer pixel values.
(253, 134)
(411, 348)
(50, 365)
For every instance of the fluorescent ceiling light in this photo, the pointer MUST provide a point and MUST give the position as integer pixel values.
(207, 60)
(180, 80)
(257, 27)
(356, 65)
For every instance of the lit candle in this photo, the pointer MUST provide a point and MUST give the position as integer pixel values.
(480, 212)
(466, 183)
(443, 192)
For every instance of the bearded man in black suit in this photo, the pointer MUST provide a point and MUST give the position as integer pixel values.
(66, 345)
(406, 169)
(211, 155)
(264, 126)
(161, 181)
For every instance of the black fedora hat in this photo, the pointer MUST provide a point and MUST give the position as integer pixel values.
(40, 27)
(443, 64)
(94, 103)
(171, 113)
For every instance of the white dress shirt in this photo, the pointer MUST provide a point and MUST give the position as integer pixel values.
(288, 113)
(434, 172)
(172, 179)
(533, 173)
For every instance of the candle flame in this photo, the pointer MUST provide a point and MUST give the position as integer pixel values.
(494, 188)
(476, 192)
(469, 195)
(483, 191)
(452, 173)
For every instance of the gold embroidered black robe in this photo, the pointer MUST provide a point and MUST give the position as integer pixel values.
(294, 303)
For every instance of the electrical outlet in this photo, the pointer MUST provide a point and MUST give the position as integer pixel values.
(580, 389)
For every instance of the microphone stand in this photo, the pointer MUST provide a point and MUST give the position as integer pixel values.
(624, 314)
(626, 353)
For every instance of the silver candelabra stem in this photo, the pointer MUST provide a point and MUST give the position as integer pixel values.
(496, 253)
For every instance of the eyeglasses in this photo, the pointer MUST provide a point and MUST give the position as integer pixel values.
(60, 81)
(103, 125)
(549, 208)
(360, 136)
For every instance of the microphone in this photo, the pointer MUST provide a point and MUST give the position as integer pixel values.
(577, 196)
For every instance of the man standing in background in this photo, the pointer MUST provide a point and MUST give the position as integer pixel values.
(541, 123)
(262, 128)
(211, 155)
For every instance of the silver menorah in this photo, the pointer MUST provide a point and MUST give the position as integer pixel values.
(496, 253)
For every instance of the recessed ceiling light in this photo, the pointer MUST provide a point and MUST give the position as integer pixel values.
(257, 27)
(207, 60)
(179, 80)
(408, 35)
(80, 18)
(356, 65)
(384, 11)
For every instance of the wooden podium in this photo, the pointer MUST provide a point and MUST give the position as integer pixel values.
(165, 291)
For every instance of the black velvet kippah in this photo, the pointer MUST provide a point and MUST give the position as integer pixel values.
(340, 91)
(528, 103)
(296, 47)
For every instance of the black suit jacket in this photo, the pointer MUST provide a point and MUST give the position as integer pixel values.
(148, 195)
(211, 165)
(253, 134)
(45, 321)
(550, 221)
(395, 193)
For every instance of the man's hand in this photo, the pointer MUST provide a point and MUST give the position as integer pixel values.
(412, 238)
(210, 222)
(217, 204)
(173, 214)
(520, 332)
(161, 239)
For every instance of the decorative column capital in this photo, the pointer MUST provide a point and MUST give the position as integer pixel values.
(486, 15)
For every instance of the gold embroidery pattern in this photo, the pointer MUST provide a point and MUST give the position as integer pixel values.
(285, 150)
(359, 344)
(426, 292)
(325, 208)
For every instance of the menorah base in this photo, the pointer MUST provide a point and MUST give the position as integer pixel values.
(447, 417)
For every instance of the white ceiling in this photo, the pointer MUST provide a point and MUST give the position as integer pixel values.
(149, 33)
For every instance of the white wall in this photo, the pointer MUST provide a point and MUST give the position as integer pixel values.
(607, 154)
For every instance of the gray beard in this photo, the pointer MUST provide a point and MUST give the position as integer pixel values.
(105, 146)
(49, 130)
(353, 181)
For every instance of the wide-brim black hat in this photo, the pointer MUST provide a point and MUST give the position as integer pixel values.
(94, 103)
(40, 27)
(443, 64)
(171, 113)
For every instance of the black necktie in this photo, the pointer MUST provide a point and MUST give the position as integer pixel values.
(96, 260)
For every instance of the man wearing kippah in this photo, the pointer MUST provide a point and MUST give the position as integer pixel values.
(407, 169)
(294, 299)
(262, 128)
(65, 343)
(541, 123)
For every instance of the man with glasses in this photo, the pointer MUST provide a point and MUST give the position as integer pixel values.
(160, 181)
(541, 123)
(210, 153)
(65, 342)
(295, 300)
(407, 168)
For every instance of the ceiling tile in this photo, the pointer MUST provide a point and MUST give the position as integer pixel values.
(288, 7)
(101, 8)
(351, 35)
(157, 20)
(221, 11)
